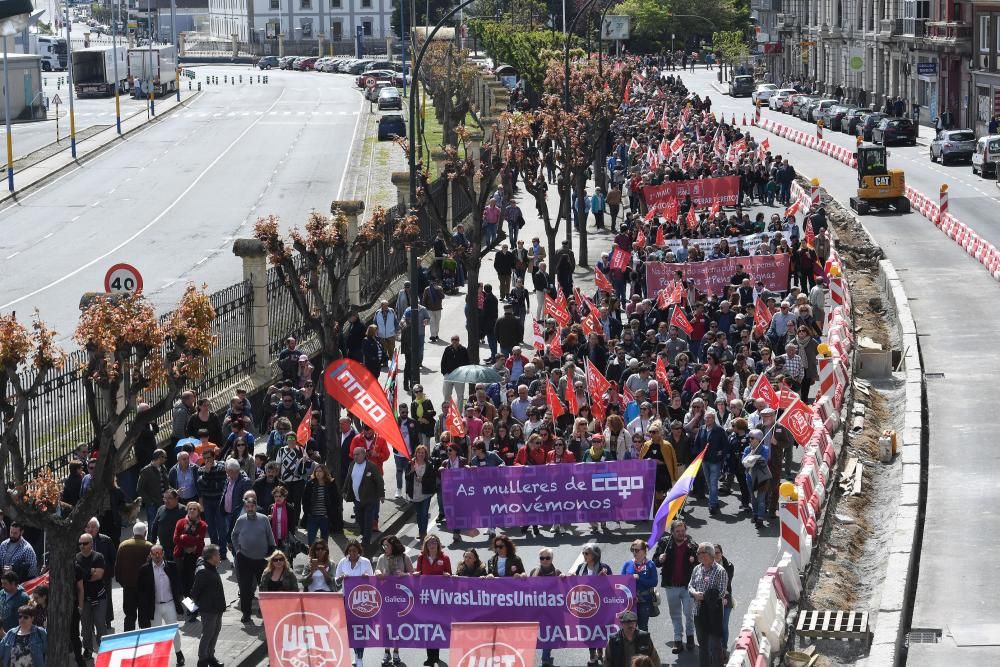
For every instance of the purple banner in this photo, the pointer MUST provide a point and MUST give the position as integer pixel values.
(565, 493)
(417, 612)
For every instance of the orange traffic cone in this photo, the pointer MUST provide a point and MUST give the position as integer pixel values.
(744, 119)
(733, 123)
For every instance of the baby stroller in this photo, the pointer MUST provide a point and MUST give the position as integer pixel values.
(449, 273)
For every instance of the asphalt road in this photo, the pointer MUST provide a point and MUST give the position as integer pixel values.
(952, 299)
(172, 197)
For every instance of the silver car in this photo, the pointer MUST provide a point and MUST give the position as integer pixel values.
(953, 145)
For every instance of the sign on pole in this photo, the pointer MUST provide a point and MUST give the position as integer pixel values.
(57, 101)
(123, 278)
(615, 27)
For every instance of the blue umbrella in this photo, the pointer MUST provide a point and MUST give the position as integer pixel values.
(187, 441)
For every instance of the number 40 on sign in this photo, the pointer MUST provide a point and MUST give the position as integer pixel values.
(123, 278)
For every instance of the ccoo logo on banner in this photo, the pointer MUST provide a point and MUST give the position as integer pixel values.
(306, 629)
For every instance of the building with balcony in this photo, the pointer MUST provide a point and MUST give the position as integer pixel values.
(984, 94)
(335, 20)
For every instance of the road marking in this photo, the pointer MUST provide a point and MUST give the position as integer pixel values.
(148, 225)
(201, 261)
(48, 235)
(14, 255)
(95, 204)
(112, 190)
(75, 219)
(168, 283)
(350, 154)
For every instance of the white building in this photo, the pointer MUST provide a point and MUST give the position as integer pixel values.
(335, 20)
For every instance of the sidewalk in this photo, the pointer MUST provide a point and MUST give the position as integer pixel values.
(91, 146)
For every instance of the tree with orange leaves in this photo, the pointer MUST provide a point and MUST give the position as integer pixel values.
(131, 356)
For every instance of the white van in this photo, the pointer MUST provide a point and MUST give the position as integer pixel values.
(986, 155)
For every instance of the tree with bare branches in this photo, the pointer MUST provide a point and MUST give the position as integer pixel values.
(131, 357)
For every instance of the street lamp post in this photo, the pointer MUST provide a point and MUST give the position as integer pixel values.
(6, 118)
(69, 79)
(416, 327)
(586, 7)
(114, 56)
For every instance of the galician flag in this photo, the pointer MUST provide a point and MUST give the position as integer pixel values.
(672, 504)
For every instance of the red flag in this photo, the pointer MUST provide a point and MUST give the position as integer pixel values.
(288, 617)
(664, 121)
(650, 117)
(597, 385)
(786, 396)
(678, 293)
(537, 340)
(620, 259)
(555, 345)
(664, 148)
(351, 384)
(792, 209)
(304, 432)
(633, 145)
(629, 398)
(762, 315)
(602, 281)
(661, 375)
(678, 143)
(640, 239)
(716, 207)
(663, 299)
(454, 421)
(571, 403)
(32, 584)
(692, 217)
(562, 302)
(670, 209)
(763, 389)
(559, 314)
(628, 93)
(680, 320)
(591, 325)
(798, 419)
(659, 236)
(810, 234)
(553, 400)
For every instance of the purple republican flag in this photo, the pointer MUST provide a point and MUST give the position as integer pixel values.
(672, 504)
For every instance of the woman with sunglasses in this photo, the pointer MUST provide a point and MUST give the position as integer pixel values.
(278, 576)
(392, 562)
(317, 575)
(592, 567)
(354, 564)
(644, 571)
(504, 562)
(25, 644)
(243, 455)
(546, 568)
(432, 561)
(421, 481)
(280, 517)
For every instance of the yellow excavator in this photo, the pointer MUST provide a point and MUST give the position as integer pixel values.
(879, 188)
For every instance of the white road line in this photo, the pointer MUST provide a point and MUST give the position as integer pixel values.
(350, 154)
(148, 225)
(48, 235)
(112, 191)
(96, 203)
(201, 261)
(14, 255)
(75, 219)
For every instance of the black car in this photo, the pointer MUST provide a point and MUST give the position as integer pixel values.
(391, 125)
(741, 86)
(895, 130)
(267, 62)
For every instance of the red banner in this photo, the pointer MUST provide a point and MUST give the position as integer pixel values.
(602, 282)
(304, 432)
(351, 384)
(713, 275)
(552, 398)
(597, 385)
(704, 192)
(306, 629)
(553, 310)
(763, 389)
(502, 644)
(680, 320)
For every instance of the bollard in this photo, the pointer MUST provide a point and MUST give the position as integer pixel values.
(258, 78)
(225, 78)
(234, 81)
(814, 199)
(943, 205)
(265, 78)
(241, 78)
(199, 86)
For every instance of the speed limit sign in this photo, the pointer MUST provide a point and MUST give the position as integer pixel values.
(123, 278)
(370, 82)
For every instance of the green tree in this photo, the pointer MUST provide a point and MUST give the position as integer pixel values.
(654, 21)
(731, 44)
(527, 51)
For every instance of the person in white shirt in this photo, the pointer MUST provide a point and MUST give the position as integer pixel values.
(353, 564)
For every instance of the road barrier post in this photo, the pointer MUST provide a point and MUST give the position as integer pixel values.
(819, 129)
(943, 204)
(199, 86)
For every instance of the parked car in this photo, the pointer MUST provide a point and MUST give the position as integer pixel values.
(984, 158)
(806, 109)
(391, 125)
(389, 98)
(285, 62)
(789, 103)
(953, 145)
(379, 64)
(895, 130)
(849, 124)
(801, 101)
(820, 110)
(778, 98)
(357, 67)
(869, 123)
(371, 94)
(834, 116)
(763, 92)
(268, 62)
(741, 86)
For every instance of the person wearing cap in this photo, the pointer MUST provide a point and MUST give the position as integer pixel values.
(627, 643)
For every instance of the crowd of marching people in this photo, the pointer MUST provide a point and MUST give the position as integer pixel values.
(684, 375)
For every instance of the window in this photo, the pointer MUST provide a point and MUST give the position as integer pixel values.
(337, 28)
(274, 4)
(984, 33)
(305, 4)
(336, 4)
(366, 4)
(366, 27)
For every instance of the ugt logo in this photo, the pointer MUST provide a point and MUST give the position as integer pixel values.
(492, 655)
(583, 601)
(305, 638)
(365, 601)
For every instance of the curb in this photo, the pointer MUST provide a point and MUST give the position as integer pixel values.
(96, 152)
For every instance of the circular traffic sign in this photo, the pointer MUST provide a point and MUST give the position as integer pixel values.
(123, 278)
(370, 82)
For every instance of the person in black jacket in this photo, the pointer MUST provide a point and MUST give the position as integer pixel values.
(421, 486)
(151, 606)
(454, 356)
(508, 330)
(503, 262)
(208, 594)
(512, 567)
(677, 555)
(541, 283)
(629, 634)
(372, 351)
(488, 315)
(322, 505)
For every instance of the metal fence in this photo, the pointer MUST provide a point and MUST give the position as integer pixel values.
(382, 263)
(57, 419)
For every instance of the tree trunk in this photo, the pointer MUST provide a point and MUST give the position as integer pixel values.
(61, 542)
(472, 308)
(581, 205)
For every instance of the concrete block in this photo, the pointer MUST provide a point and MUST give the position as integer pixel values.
(894, 587)
(909, 495)
(911, 472)
(910, 454)
(912, 419)
(880, 655)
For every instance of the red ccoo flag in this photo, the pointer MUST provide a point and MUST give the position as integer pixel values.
(456, 425)
(304, 432)
(659, 236)
(555, 345)
(692, 217)
(602, 281)
(352, 385)
(538, 339)
(763, 389)
(597, 385)
(810, 234)
(572, 405)
(553, 401)
(680, 320)
(640, 239)
(678, 143)
(761, 315)
(661, 375)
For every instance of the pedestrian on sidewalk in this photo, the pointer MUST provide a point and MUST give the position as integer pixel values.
(708, 587)
(208, 593)
(253, 540)
(211, 483)
(153, 483)
(388, 327)
(366, 489)
(421, 486)
(92, 602)
(454, 356)
(676, 555)
(414, 356)
(508, 331)
(503, 264)
(597, 203)
(542, 284)
(433, 301)
(488, 315)
(160, 602)
(492, 215)
(322, 505)
(189, 543)
(131, 556)
(411, 438)
(515, 220)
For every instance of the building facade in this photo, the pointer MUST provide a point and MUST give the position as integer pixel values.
(877, 49)
(336, 20)
(984, 98)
